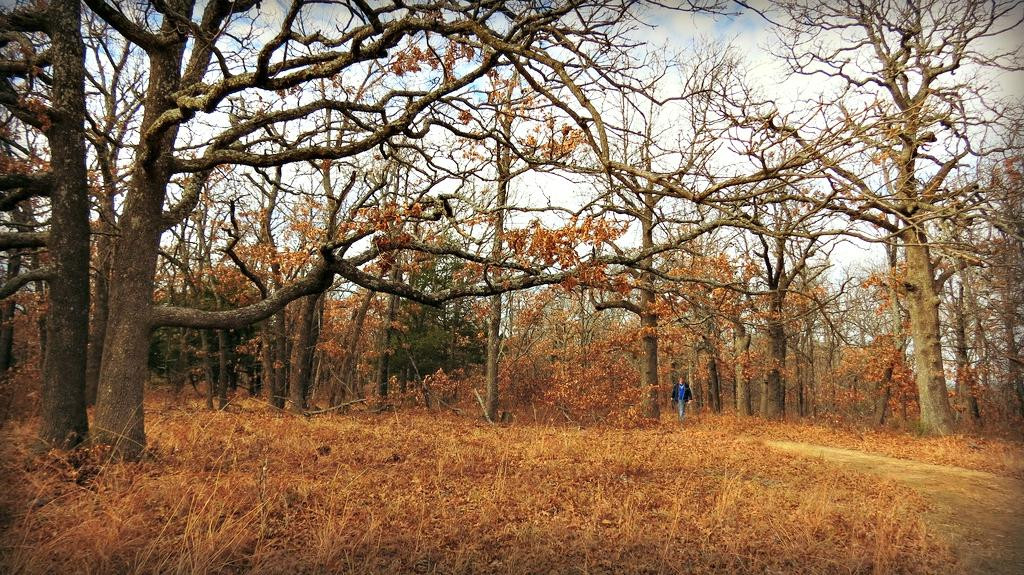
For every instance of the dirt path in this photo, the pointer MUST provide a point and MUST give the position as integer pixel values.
(980, 513)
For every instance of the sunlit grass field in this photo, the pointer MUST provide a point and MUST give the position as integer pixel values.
(254, 490)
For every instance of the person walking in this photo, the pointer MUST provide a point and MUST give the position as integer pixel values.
(681, 395)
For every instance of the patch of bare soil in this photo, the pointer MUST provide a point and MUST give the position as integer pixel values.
(981, 514)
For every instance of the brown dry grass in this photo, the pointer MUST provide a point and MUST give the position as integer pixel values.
(992, 454)
(403, 492)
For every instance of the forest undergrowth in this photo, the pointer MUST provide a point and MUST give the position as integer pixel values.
(253, 490)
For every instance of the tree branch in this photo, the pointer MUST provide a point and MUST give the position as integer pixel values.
(236, 236)
(617, 304)
(25, 19)
(24, 186)
(173, 316)
(13, 240)
(130, 30)
(179, 211)
(11, 286)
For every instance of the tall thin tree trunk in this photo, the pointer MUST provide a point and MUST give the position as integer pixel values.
(812, 376)
(224, 368)
(494, 313)
(965, 381)
(7, 320)
(64, 421)
(100, 306)
(695, 387)
(180, 373)
(883, 396)
(97, 333)
(970, 301)
(266, 357)
(833, 346)
(351, 360)
(384, 360)
(316, 368)
(884, 391)
(798, 377)
(277, 380)
(741, 346)
(43, 292)
(211, 375)
(302, 353)
(1014, 370)
(493, 352)
(714, 381)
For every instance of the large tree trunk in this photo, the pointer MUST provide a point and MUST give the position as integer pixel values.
(648, 317)
(302, 353)
(741, 346)
(119, 414)
(63, 416)
(923, 300)
(773, 392)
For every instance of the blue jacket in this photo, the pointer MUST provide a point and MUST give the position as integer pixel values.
(681, 392)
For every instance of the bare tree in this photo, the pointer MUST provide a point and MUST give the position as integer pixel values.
(53, 103)
(909, 88)
(224, 61)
